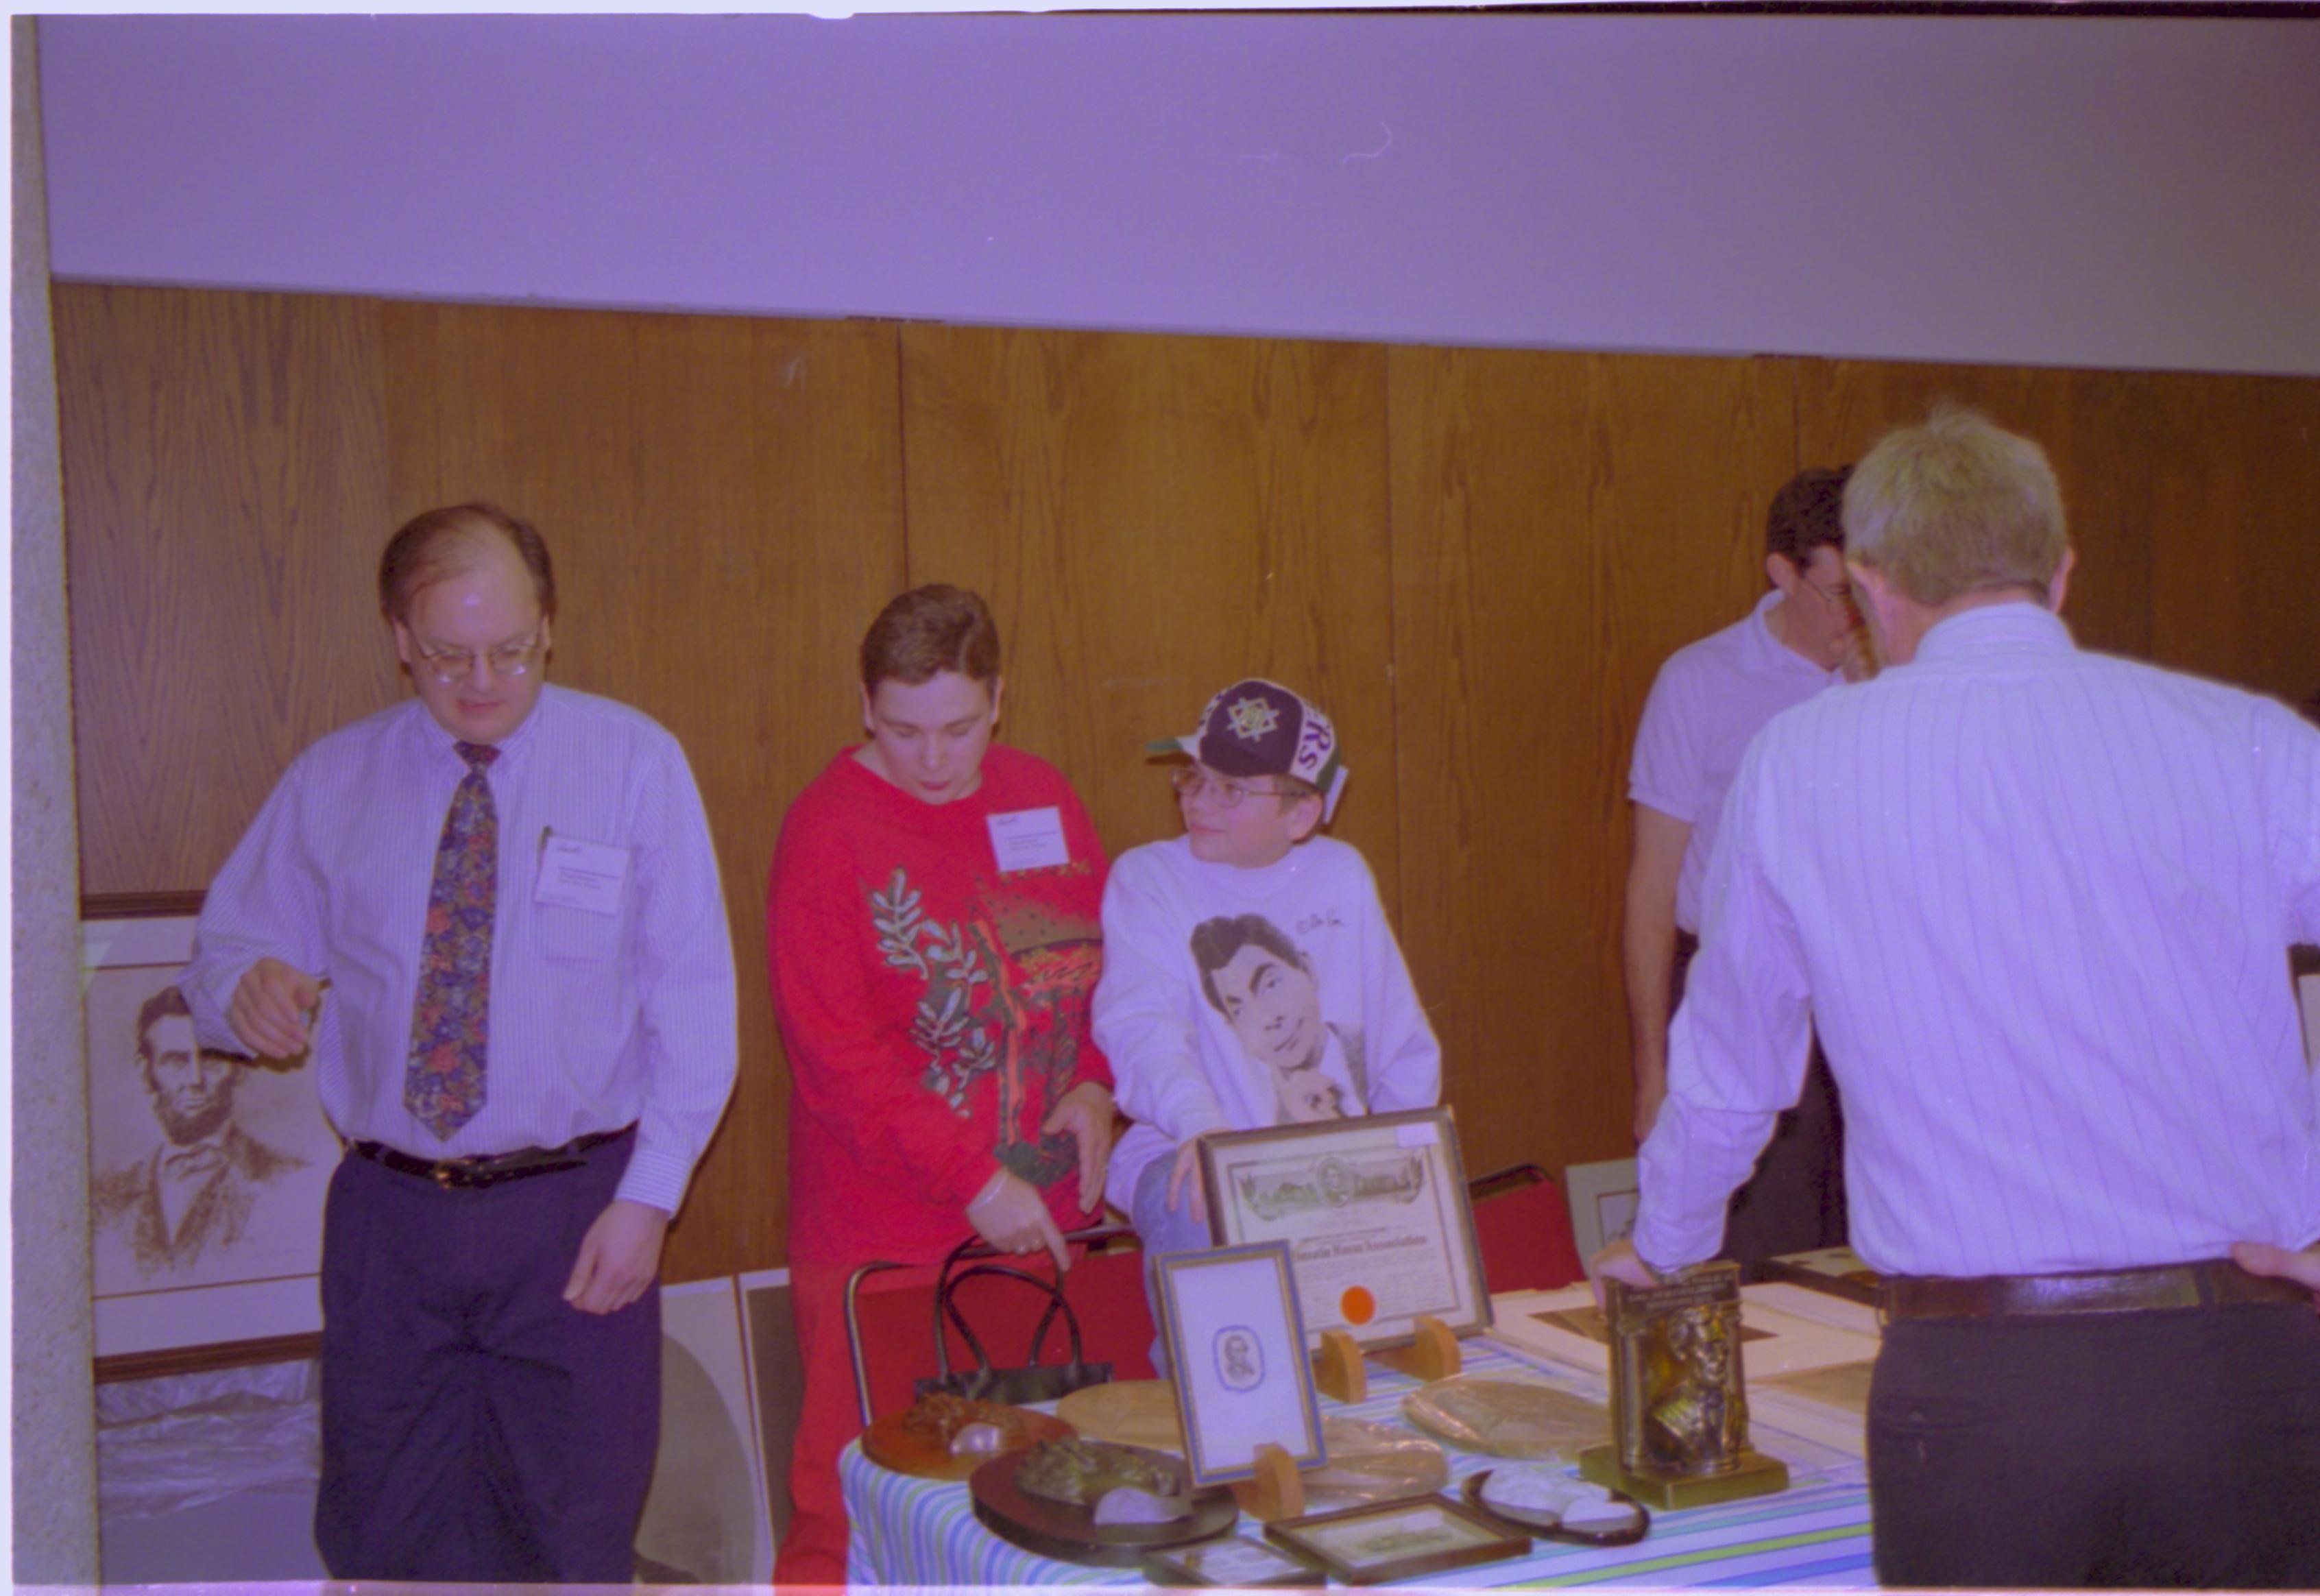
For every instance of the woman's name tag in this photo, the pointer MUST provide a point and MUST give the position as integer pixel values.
(1028, 838)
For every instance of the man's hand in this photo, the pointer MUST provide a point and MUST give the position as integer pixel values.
(2260, 1257)
(1620, 1261)
(1011, 1216)
(1084, 1114)
(1650, 1093)
(1184, 1180)
(619, 1257)
(273, 1006)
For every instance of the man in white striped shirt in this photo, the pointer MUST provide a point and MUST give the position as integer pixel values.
(493, 911)
(2037, 903)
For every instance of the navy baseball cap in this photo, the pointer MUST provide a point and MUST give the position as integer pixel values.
(1260, 728)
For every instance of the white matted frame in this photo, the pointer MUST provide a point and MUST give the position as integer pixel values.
(1375, 1212)
(205, 1263)
(706, 1518)
(777, 1382)
(1237, 1344)
(1603, 1199)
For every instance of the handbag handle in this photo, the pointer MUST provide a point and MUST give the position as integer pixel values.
(944, 1304)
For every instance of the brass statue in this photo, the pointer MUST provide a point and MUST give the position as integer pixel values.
(1679, 1401)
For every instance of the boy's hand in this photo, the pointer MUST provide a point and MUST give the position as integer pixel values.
(1084, 1114)
(1185, 1179)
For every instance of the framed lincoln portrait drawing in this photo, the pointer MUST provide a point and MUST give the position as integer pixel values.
(206, 1169)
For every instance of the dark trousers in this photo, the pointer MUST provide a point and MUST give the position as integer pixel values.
(2169, 1447)
(476, 1426)
(1794, 1203)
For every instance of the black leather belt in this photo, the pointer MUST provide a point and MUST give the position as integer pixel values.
(2218, 1282)
(475, 1174)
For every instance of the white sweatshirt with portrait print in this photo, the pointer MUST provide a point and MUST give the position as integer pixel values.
(1309, 1012)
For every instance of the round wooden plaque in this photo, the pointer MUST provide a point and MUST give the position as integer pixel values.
(1069, 1531)
(889, 1444)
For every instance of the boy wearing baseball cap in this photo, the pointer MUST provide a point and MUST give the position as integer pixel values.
(1250, 977)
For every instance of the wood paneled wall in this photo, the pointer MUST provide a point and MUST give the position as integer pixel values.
(1476, 559)
(1152, 518)
(225, 475)
(1562, 523)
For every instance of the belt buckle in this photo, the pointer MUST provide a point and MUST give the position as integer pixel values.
(448, 1171)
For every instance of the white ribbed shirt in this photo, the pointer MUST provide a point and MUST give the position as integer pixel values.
(2038, 902)
(596, 1021)
(1707, 705)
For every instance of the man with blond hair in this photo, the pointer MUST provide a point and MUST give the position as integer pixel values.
(2036, 902)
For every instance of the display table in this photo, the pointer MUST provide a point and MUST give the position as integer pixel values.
(908, 1531)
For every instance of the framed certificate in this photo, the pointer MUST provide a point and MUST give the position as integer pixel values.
(1399, 1540)
(1236, 1346)
(1375, 1214)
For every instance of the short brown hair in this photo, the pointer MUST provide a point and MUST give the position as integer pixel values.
(162, 1006)
(1805, 513)
(927, 632)
(1956, 505)
(439, 543)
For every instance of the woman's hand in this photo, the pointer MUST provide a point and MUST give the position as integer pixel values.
(1084, 1114)
(1011, 1216)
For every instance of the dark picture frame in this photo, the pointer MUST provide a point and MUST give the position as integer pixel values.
(1336, 1541)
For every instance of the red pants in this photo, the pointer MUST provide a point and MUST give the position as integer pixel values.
(830, 1415)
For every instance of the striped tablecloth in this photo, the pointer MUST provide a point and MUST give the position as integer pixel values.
(923, 1532)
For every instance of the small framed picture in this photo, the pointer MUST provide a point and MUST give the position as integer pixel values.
(1401, 1540)
(1375, 1211)
(1240, 1561)
(1603, 1199)
(1238, 1347)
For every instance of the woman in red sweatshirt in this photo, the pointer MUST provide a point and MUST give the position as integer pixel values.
(936, 936)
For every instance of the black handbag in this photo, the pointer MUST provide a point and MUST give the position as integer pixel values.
(1035, 1381)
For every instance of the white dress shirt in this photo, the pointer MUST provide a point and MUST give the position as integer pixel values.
(2038, 902)
(597, 1018)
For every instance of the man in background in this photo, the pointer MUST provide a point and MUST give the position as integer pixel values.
(196, 1190)
(2036, 902)
(494, 910)
(1710, 699)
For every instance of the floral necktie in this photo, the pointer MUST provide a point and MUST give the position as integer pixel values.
(443, 1083)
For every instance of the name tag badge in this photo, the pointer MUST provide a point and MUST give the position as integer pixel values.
(1028, 838)
(576, 874)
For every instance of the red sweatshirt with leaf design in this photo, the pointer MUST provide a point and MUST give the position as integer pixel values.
(933, 1007)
